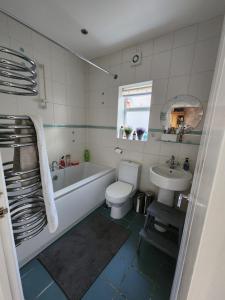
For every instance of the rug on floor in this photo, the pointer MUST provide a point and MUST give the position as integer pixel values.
(77, 259)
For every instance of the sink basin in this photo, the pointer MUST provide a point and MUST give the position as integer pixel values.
(170, 179)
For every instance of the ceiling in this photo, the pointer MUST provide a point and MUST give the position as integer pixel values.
(112, 24)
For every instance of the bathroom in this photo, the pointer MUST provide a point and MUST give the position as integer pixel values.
(83, 78)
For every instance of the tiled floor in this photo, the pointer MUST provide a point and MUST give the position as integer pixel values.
(127, 276)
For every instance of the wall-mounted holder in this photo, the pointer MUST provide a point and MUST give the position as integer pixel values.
(118, 150)
(42, 85)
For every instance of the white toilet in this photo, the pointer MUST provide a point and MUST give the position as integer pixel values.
(119, 194)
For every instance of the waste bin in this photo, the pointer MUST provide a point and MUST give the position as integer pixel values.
(139, 202)
(149, 197)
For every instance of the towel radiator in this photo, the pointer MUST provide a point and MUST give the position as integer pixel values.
(24, 188)
(18, 77)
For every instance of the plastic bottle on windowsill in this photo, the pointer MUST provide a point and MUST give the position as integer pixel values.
(145, 136)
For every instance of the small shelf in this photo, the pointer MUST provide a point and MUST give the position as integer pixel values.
(185, 143)
(159, 241)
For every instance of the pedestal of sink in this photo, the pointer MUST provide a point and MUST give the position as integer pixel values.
(166, 197)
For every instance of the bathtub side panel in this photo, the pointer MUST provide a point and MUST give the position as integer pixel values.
(71, 209)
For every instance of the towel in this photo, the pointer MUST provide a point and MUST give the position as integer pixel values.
(26, 158)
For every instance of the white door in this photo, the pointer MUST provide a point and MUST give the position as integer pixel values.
(203, 197)
(10, 282)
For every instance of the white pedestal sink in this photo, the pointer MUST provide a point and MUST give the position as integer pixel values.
(169, 180)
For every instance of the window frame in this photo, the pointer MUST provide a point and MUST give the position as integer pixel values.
(121, 118)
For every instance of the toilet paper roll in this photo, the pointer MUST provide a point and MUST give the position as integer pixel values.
(118, 150)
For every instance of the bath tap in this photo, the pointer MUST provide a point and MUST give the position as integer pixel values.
(53, 164)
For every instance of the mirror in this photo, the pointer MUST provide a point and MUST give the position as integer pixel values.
(182, 111)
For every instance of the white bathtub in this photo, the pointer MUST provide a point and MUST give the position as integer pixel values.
(78, 191)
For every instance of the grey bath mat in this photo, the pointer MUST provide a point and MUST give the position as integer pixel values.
(76, 259)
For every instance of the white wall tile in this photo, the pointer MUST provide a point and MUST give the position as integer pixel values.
(19, 32)
(143, 71)
(159, 91)
(161, 65)
(205, 55)
(115, 59)
(9, 104)
(163, 43)
(185, 36)
(154, 120)
(182, 59)
(4, 30)
(47, 114)
(147, 48)
(177, 86)
(200, 85)
(61, 114)
(127, 74)
(59, 93)
(210, 28)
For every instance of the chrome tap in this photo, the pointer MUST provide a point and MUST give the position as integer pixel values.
(54, 165)
(172, 162)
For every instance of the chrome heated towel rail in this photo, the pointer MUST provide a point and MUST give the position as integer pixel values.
(24, 187)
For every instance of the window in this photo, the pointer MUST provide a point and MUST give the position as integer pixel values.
(134, 111)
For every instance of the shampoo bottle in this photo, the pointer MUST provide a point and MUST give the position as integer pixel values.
(186, 165)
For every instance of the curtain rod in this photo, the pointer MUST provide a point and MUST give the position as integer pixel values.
(115, 76)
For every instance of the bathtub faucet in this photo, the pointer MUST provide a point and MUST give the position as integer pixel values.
(54, 165)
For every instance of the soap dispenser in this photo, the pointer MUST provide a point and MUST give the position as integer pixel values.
(186, 165)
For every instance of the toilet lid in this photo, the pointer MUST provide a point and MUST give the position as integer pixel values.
(118, 191)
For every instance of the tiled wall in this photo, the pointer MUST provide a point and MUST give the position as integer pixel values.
(181, 62)
(65, 79)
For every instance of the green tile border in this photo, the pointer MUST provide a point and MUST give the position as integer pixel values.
(194, 132)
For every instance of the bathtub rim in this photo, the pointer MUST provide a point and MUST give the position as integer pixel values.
(69, 189)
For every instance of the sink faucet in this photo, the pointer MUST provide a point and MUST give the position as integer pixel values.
(172, 163)
(54, 165)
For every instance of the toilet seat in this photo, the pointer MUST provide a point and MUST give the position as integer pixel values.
(118, 192)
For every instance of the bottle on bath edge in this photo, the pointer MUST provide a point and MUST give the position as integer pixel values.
(186, 165)
(86, 155)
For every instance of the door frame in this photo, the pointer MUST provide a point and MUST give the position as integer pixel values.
(211, 114)
(10, 283)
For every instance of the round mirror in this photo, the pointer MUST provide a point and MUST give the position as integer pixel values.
(181, 111)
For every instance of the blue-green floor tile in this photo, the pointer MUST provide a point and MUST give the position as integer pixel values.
(115, 271)
(36, 281)
(136, 286)
(100, 290)
(53, 292)
(28, 267)
(129, 250)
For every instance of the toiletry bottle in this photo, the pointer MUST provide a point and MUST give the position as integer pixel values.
(134, 135)
(86, 155)
(62, 163)
(145, 136)
(121, 132)
(186, 165)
